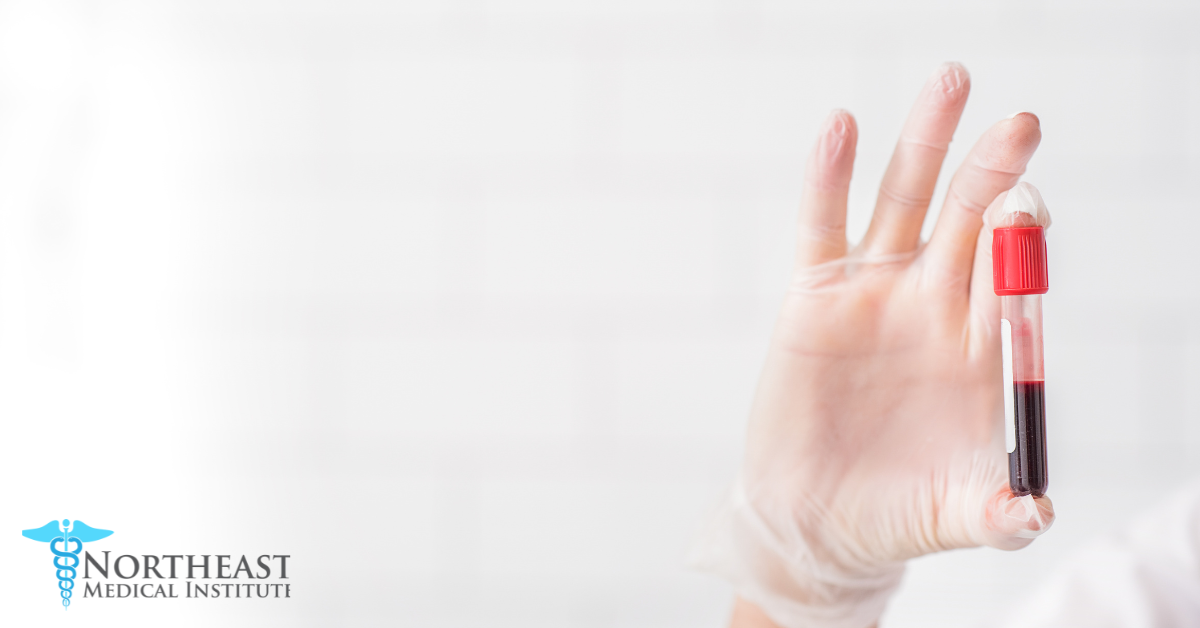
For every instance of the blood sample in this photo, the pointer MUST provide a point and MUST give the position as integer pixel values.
(1027, 462)
(1020, 277)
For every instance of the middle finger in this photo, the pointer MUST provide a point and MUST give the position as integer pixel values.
(912, 173)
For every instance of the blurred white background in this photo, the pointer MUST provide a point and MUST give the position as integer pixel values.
(462, 303)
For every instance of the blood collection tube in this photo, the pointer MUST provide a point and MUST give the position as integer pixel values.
(1020, 276)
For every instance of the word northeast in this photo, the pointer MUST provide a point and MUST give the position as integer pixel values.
(197, 567)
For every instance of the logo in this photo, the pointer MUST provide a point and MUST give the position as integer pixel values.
(155, 576)
(66, 559)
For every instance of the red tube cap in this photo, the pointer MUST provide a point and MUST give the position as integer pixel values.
(1019, 261)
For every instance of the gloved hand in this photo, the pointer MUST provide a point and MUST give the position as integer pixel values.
(876, 433)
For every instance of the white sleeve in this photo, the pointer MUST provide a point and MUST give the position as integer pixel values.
(1147, 576)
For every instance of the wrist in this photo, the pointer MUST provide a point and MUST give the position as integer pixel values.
(783, 571)
(747, 615)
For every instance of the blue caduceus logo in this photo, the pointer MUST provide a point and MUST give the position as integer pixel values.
(66, 559)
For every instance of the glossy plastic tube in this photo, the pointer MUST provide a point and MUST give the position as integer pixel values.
(1025, 410)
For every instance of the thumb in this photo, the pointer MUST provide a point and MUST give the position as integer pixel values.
(1011, 522)
(984, 511)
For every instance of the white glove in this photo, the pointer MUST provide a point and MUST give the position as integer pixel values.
(876, 433)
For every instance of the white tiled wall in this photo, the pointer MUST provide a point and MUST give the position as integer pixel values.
(462, 303)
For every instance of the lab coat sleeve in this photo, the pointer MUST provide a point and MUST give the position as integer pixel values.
(1147, 576)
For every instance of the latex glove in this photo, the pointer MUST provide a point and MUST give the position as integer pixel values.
(876, 433)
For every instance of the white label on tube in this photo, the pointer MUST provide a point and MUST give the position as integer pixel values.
(1010, 419)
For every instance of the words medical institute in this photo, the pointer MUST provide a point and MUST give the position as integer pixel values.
(223, 567)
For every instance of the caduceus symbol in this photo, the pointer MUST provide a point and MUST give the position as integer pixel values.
(66, 560)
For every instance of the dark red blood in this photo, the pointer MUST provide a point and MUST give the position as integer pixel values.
(1027, 473)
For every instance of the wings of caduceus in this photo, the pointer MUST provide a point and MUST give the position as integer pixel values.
(54, 529)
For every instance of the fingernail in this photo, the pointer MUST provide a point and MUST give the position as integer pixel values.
(1023, 198)
(834, 133)
(1028, 517)
(1035, 118)
(951, 80)
(836, 122)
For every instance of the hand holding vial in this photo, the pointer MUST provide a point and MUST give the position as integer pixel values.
(877, 431)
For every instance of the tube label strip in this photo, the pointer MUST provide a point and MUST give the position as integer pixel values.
(1010, 419)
